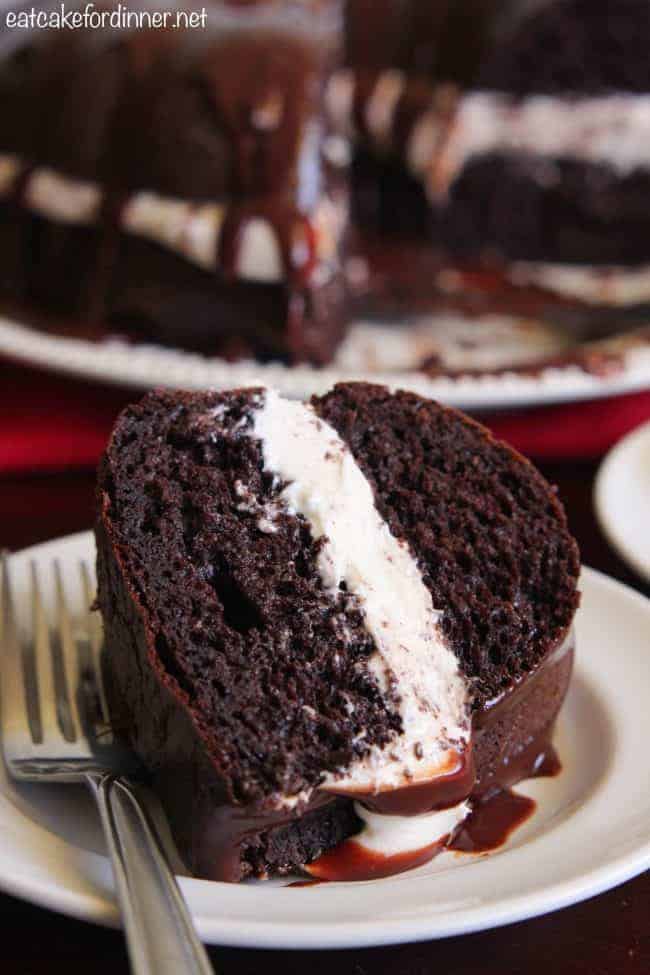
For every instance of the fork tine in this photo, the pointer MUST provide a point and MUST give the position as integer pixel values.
(14, 711)
(93, 628)
(69, 665)
(44, 660)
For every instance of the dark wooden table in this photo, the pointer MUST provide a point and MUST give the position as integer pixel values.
(609, 935)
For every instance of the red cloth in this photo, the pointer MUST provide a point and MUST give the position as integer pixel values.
(50, 423)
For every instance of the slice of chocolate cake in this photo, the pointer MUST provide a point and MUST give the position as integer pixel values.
(352, 615)
(173, 185)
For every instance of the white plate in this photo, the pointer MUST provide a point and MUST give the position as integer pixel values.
(142, 366)
(591, 829)
(622, 497)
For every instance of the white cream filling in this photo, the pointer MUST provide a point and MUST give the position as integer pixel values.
(423, 142)
(412, 664)
(66, 200)
(381, 106)
(259, 252)
(379, 113)
(339, 101)
(610, 129)
(392, 835)
(618, 286)
(189, 229)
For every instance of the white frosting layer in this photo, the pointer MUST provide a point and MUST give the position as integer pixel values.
(259, 253)
(379, 113)
(610, 129)
(190, 229)
(412, 665)
(339, 101)
(423, 142)
(617, 286)
(391, 835)
(66, 200)
(382, 104)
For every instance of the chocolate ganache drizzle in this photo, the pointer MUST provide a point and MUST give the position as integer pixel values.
(494, 811)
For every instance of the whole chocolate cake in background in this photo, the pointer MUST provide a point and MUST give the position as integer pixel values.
(546, 163)
(190, 188)
(262, 566)
(504, 135)
(172, 184)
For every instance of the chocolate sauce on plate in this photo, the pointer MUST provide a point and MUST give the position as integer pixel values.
(498, 813)
(351, 861)
(491, 822)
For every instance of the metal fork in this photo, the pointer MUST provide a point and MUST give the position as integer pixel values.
(54, 727)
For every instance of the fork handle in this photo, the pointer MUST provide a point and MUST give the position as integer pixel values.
(159, 931)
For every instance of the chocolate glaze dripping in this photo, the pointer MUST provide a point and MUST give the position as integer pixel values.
(364, 85)
(491, 822)
(261, 86)
(97, 291)
(17, 233)
(417, 98)
(296, 240)
(443, 792)
(500, 811)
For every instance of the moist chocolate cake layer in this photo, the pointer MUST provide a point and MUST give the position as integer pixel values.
(562, 207)
(528, 208)
(587, 47)
(239, 679)
(388, 201)
(490, 535)
(442, 40)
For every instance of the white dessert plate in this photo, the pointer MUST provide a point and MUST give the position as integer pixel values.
(591, 829)
(492, 364)
(622, 499)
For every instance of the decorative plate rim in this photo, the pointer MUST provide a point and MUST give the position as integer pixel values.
(501, 888)
(140, 366)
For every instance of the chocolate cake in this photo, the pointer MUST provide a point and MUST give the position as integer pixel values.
(546, 161)
(191, 187)
(320, 616)
(172, 184)
(473, 149)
